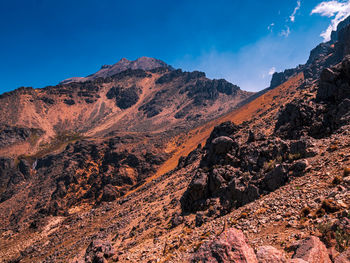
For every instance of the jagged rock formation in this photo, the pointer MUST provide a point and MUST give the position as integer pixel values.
(324, 55)
(233, 174)
(323, 115)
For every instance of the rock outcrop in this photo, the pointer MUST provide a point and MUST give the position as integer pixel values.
(312, 250)
(230, 246)
(234, 173)
(319, 117)
(99, 251)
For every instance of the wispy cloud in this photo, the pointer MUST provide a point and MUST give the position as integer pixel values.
(272, 70)
(270, 27)
(339, 10)
(292, 16)
(285, 32)
(248, 67)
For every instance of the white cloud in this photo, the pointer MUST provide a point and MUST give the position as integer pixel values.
(292, 16)
(270, 27)
(285, 32)
(339, 10)
(272, 70)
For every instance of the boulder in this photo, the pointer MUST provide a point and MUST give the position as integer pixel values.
(221, 144)
(227, 128)
(267, 254)
(343, 257)
(99, 251)
(176, 220)
(275, 178)
(196, 191)
(312, 250)
(109, 193)
(229, 246)
(200, 219)
(298, 167)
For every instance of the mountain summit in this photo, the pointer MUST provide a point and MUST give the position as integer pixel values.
(144, 63)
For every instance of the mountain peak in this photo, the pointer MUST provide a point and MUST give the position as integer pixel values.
(144, 63)
(124, 60)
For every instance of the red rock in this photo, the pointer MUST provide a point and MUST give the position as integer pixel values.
(343, 257)
(230, 246)
(267, 254)
(312, 250)
(296, 260)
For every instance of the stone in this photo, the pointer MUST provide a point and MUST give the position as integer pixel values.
(312, 250)
(99, 251)
(276, 177)
(109, 193)
(222, 144)
(197, 190)
(230, 246)
(299, 166)
(176, 220)
(296, 260)
(267, 254)
(343, 257)
(199, 219)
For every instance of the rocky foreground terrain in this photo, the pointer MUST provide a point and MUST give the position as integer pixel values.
(143, 163)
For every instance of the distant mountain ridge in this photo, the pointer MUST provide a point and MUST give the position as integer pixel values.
(144, 63)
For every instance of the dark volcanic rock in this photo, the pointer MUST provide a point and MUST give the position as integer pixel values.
(221, 145)
(109, 193)
(85, 171)
(124, 97)
(69, 101)
(10, 176)
(324, 115)
(98, 251)
(176, 220)
(12, 134)
(235, 174)
(280, 77)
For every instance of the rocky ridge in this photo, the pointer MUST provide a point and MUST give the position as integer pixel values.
(324, 55)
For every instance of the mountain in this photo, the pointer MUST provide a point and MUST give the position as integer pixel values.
(160, 173)
(133, 101)
(144, 63)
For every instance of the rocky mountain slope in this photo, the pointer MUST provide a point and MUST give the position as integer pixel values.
(149, 180)
(324, 55)
(133, 100)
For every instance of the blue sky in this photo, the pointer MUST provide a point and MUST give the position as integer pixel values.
(45, 41)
